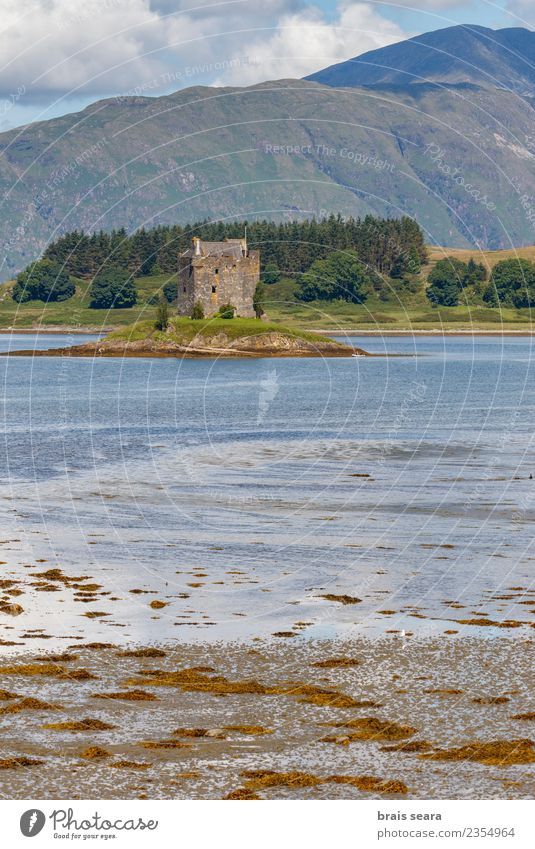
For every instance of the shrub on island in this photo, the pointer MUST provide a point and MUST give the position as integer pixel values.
(197, 312)
(162, 315)
(227, 311)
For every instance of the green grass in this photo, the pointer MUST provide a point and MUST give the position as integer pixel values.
(413, 313)
(76, 311)
(283, 308)
(183, 330)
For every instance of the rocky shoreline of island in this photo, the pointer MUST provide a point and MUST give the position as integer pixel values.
(271, 342)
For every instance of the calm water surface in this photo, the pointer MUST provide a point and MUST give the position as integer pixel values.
(241, 492)
(42, 341)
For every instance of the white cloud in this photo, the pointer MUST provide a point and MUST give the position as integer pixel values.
(58, 47)
(245, 9)
(425, 5)
(305, 42)
(55, 50)
(111, 46)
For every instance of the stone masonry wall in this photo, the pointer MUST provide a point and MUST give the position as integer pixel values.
(214, 281)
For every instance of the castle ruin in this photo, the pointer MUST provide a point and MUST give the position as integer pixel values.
(217, 273)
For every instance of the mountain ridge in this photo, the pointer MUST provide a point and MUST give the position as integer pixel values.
(457, 156)
(461, 53)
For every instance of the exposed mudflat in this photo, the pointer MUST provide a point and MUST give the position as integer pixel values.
(389, 718)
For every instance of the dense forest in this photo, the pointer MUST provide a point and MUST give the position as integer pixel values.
(390, 246)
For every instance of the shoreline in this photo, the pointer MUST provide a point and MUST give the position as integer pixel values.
(240, 343)
(356, 332)
(186, 354)
(351, 331)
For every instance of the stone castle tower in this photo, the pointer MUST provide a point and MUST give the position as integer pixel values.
(218, 273)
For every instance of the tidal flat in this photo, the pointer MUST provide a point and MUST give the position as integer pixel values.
(391, 718)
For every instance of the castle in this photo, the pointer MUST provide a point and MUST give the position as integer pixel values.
(217, 273)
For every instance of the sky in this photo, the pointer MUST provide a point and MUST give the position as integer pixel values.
(57, 57)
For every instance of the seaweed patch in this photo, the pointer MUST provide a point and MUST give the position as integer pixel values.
(494, 753)
(370, 728)
(80, 725)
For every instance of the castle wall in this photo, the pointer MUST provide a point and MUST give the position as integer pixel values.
(214, 281)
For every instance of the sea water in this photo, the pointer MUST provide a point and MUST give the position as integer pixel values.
(241, 492)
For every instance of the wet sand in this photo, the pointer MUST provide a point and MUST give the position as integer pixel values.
(215, 595)
(389, 718)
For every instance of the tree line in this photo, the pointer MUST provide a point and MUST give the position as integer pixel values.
(387, 259)
(390, 246)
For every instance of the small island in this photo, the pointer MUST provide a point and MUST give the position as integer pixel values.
(218, 311)
(215, 337)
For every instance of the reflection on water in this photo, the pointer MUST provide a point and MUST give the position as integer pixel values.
(241, 492)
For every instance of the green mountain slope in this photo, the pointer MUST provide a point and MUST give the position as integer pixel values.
(281, 149)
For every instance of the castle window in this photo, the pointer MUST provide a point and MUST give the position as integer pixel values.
(216, 271)
(214, 290)
(184, 288)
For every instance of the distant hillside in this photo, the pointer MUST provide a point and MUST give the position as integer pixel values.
(459, 54)
(460, 158)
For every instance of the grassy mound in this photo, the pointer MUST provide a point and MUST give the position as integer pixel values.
(184, 330)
